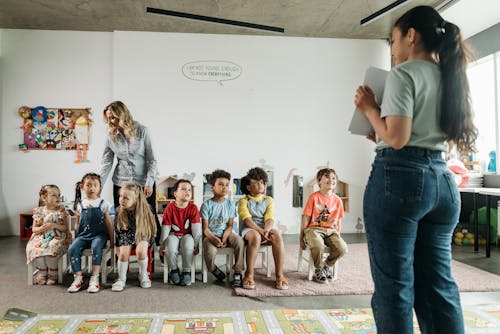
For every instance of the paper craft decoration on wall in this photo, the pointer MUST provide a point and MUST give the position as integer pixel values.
(56, 129)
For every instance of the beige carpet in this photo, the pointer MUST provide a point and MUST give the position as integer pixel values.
(354, 277)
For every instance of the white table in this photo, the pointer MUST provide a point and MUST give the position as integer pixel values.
(489, 192)
(474, 192)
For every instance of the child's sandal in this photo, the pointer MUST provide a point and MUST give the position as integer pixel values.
(52, 277)
(41, 277)
(248, 283)
(281, 283)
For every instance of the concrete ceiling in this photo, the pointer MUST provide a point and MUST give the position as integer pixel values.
(304, 18)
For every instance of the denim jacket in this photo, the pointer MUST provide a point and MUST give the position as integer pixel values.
(136, 160)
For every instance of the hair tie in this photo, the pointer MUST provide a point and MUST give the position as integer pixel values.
(441, 30)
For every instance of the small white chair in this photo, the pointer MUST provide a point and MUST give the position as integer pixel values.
(87, 255)
(32, 271)
(179, 259)
(266, 254)
(229, 253)
(310, 267)
(151, 260)
(105, 270)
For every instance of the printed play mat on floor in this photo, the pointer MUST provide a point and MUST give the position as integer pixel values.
(478, 319)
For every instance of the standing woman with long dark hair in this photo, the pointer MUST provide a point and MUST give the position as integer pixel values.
(411, 202)
(130, 142)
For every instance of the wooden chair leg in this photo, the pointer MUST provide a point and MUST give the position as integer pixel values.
(165, 268)
(299, 261)
(30, 273)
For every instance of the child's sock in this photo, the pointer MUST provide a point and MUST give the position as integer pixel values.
(143, 269)
(122, 270)
(143, 273)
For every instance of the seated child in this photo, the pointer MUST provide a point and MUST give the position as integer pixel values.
(217, 216)
(321, 225)
(181, 230)
(51, 237)
(256, 211)
(135, 225)
(93, 229)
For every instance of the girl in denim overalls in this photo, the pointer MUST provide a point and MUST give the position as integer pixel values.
(94, 228)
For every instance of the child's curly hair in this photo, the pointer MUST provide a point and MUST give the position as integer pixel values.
(218, 174)
(255, 173)
(258, 174)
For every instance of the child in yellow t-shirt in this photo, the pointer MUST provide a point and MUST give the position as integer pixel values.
(256, 212)
(321, 225)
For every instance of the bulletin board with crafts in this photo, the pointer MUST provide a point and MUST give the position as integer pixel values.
(56, 129)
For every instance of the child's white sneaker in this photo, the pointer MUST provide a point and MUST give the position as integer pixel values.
(119, 285)
(93, 284)
(77, 284)
(145, 282)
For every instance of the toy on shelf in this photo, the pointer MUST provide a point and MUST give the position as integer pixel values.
(463, 238)
(165, 192)
(466, 238)
(492, 165)
(82, 134)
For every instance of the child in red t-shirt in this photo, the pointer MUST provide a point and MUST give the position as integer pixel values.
(181, 230)
(321, 225)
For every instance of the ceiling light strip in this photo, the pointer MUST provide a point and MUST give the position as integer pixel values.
(213, 19)
(379, 13)
(445, 5)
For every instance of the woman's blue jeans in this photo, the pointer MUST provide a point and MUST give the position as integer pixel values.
(411, 207)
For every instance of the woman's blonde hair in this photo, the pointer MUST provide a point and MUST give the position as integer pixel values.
(126, 122)
(145, 224)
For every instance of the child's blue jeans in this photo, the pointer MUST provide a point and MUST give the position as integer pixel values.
(411, 207)
(97, 244)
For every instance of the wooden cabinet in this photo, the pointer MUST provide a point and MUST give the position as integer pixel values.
(342, 191)
(25, 224)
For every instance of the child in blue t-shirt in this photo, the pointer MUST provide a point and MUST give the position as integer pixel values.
(217, 215)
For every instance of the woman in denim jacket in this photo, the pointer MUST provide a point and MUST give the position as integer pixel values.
(130, 142)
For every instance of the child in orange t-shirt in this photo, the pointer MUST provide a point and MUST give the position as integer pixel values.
(321, 225)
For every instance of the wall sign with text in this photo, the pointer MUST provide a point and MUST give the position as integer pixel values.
(211, 70)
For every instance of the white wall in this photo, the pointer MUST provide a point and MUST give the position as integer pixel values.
(4, 220)
(53, 69)
(291, 106)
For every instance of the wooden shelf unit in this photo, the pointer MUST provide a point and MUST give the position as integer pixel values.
(25, 224)
(165, 188)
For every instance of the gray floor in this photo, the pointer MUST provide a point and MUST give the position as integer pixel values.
(14, 291)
